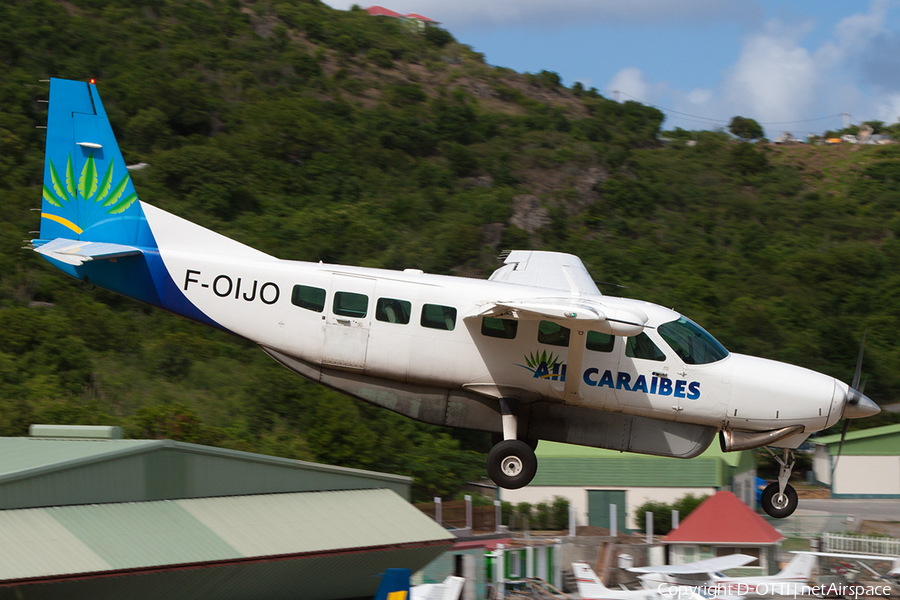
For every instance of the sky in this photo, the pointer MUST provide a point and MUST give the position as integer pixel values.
(793, 65)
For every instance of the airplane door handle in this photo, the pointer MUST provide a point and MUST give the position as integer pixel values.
(663, 375)
(344, 321)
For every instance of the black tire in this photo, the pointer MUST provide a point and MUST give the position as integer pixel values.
(511, 464)
(496, 438)
(779, 508)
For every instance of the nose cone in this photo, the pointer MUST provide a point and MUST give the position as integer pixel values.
(857, 405)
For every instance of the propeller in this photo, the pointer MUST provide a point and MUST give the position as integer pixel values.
(852, 406)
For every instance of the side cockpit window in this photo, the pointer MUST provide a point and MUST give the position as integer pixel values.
(641, 346)
(600, 342)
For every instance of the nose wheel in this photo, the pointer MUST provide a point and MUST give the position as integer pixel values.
(779, 500)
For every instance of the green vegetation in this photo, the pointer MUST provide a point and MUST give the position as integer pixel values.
(323, 134)
(745, 129)
(662, 512)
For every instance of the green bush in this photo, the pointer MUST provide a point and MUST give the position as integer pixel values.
(380, 58)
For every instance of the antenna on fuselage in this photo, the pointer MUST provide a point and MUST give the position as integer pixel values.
(624, 287)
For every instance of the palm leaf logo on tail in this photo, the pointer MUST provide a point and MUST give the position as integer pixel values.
(91, 198)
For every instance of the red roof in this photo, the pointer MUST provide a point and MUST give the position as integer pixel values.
(380, 11)
(724, 519)
(420, 17)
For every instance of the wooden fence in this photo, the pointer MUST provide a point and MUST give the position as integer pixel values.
(453, 514)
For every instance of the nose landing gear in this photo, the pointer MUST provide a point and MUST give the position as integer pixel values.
(511, 464)
(779, 500)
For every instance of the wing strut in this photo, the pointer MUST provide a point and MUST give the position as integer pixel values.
(572, 390)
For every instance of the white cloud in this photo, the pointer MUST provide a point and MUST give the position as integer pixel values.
(775, 78)
(699, 96)
(540, 13)
(778, 78)
(631, 82)
(888, 109)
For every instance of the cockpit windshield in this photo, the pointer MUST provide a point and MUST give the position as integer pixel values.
(691, 342)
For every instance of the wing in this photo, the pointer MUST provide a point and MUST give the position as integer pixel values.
(709, 565)
(553, 270)
(570, 310)
(74, 252)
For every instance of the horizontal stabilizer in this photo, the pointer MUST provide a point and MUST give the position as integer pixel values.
(74, 252)
(709, 565)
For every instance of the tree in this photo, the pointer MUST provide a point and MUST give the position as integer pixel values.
(745, 129)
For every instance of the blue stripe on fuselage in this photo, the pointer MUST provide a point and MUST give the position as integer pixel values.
(143, 278)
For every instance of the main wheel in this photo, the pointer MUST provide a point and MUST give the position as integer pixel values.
(511, 464)
(779, 505)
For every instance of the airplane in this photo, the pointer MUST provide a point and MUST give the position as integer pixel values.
(533, 352)
(591, 588)
(708, 573)
(892, 575)
(395, 586)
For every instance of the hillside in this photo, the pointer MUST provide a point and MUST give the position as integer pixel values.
(322, 134)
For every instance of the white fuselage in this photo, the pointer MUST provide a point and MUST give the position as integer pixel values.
(250, 293)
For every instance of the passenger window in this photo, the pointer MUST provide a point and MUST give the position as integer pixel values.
(350, 304)
(553, 334)
(600, 342)
(435, 316)
(499, 328)
(390, 310)
(310, 298)
(641, 346)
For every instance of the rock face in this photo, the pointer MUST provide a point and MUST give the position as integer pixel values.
(492, 234)
(528, 214)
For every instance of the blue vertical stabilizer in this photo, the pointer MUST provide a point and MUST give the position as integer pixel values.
(394, 585)
(93, 226)
(87, 193)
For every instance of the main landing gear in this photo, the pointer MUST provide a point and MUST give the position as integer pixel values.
(511, 463)
(779, 499)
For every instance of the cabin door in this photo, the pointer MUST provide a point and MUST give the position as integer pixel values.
(347, 321)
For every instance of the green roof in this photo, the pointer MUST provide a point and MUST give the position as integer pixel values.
(876, 441)
(568, 464)
(23, 453)
(57, 542)
(38, 472)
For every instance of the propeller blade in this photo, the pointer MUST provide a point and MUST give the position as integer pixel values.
(840, 448)
(862, 346)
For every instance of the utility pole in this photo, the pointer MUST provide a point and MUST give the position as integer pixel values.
(616, 96)
(846, 120)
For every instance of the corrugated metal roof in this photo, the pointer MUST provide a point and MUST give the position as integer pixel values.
(890, 446)
(22, 454)
(630, 470)
(61, 541)
(53, 472)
